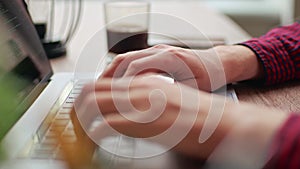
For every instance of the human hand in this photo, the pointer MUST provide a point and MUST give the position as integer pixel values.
(203, 69)
(190, 67)
(146, 110)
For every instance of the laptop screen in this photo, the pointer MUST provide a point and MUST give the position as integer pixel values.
(24, 68)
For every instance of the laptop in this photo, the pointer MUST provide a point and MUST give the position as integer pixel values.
(32, 97)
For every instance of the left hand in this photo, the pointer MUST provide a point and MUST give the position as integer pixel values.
(144, 110)
(156, 106)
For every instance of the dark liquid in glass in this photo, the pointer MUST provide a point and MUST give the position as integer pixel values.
(125, 38)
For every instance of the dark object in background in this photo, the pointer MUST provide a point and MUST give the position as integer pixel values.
(57, 48)
(122, 42)
(53, 49)
(41, 30)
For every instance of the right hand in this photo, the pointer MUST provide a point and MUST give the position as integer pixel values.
(200, 69)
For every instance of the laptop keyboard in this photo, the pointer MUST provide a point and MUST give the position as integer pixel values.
(45, 144)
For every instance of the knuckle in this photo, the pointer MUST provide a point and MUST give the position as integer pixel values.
(134, 65)
(88, 88)
(86, 91)
(151, 82)
(120, 58)
(176, 52)
(161, 46)
(91, 101)
(173, 50)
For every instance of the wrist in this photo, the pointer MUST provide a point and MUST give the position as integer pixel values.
(259, 123)
(239, 62)
(250, 135)
(257, 130)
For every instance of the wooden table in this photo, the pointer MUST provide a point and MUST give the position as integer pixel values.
(82, 57)
(283, 96)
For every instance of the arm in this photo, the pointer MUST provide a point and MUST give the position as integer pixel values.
(239, 62)
(274, 57)
(203, 69)
(279, 53)
(286, 145)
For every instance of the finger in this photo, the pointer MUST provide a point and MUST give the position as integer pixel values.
(108, 84)
(86, 112)
(122, 84)
(91, 88)
(103, 85)
(158, 63)
(116, 124)
(144, 65)
(116, 84)
(95, 106)
(104, 130)
(85, 91)
(121, 62)
(99, 104)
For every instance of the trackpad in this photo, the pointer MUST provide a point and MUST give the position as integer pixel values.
(127, 153)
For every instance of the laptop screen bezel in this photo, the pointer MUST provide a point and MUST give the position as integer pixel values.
(18, 10)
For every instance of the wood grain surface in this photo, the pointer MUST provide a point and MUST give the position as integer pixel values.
(283, 96)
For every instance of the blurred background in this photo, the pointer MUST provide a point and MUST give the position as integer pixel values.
(258, 16)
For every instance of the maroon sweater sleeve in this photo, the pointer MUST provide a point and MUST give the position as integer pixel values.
(286, 145)
(279, 53)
